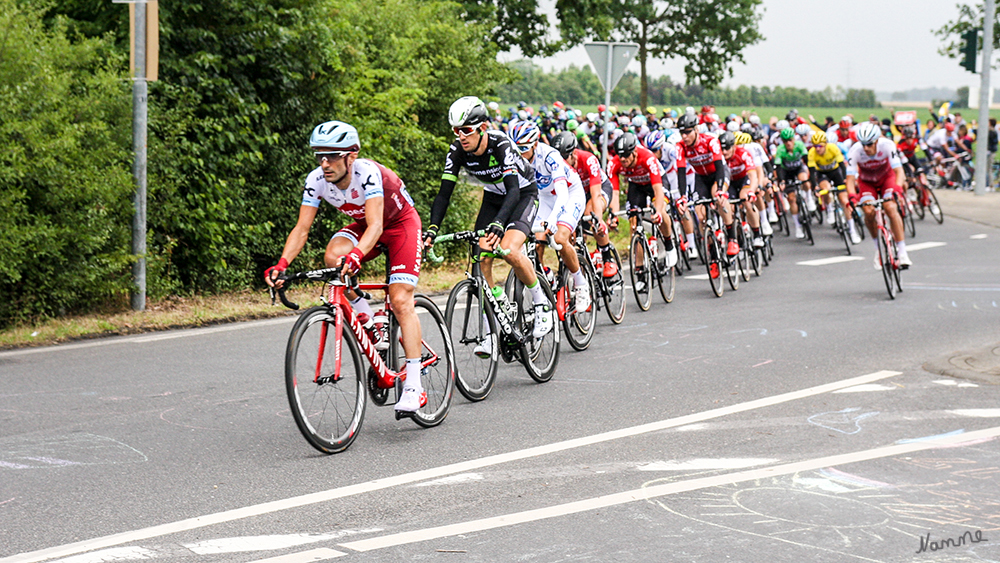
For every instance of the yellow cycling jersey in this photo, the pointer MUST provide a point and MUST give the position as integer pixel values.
(830, 159)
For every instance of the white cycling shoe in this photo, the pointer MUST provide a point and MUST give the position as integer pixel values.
(670, 257)
(692, 252)
(904, 260)
(798, 231)
(765, 228)
(772, 216)
(855, 237)
(581, 298)
(543, 320)
(484, 349)
(411, 400)
(758, 242)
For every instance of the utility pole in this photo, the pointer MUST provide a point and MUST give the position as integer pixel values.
(983, 164)
(139, 123)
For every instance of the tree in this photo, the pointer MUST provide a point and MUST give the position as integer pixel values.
(708, 34)
(969, 18)
(513, 23)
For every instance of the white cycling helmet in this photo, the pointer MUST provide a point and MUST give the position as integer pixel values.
(803, 129)
(831, 137)
(467, 111)
(755, 119)
(667, 123)
(869, 132)
(638, 121)
(335, 135)
(494, 106)
(782, 125)
(733, 126)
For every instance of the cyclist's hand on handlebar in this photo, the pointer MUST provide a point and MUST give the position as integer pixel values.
(613, 222)
(429, 235)
(352, 262)
(271, 274)
(656, 217)
(494, 232)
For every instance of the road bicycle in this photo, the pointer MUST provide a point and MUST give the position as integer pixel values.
(327, 384)
(750, 257)
(647, 259)
(840, 219)
(486, 326)
(922, 197)
(888, 255)
(716, 241)
(805, 216)
(611, 290)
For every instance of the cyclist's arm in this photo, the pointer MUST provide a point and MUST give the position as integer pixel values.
(510, 199)
(297, 238)
(720, 174)
(441, 200)
(561, 188)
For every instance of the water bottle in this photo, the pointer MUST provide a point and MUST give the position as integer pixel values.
(652, 245)
(501, 298)
(597, 259)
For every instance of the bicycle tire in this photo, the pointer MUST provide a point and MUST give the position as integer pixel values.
(783, 225)
(667, 276)
(859, 223)
(934, 204)
(645, 275)
(614, 291)
(540, 356)
(906, 214)
(886, 262)
(746, 246)
(474, 376)
(913, 194)
(713, 255)
(578, 326)
(438, 378)
(328, 414)
(806, 227)
(842, 227)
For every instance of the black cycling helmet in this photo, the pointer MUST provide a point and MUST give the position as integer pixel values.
(626, 144)
(687, 121)
(792, 115)
(727, 140)
(756, 134)
(565, 143)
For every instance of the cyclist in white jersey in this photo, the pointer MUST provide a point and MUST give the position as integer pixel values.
(677, 187)
(759, 157)
(561, 202)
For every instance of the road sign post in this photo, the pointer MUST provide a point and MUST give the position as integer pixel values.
(610, 61)
(983, 164)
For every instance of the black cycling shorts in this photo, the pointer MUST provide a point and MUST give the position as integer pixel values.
(520, 219)
(703, 186)
(606, 189)
(835, 177)
(736, 185)
(639, 195)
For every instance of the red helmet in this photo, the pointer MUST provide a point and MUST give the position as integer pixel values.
(949, 127)
(558, 104)
(845, 124)
(601, 108)
(706, 109)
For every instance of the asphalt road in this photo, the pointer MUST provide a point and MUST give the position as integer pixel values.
(787, 421)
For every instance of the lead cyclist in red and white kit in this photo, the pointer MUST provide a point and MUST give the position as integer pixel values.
(874, 170)
(383, 212)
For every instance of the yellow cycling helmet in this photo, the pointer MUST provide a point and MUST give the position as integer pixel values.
(819, 138)
(651, 110)
(743, 138)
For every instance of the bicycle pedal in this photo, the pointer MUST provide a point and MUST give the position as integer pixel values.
(400, 415)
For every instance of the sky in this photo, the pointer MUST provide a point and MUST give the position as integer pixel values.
(884, 45)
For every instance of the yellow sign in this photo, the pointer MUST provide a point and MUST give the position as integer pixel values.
(152, 40)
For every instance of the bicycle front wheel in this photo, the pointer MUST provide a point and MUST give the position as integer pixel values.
(913, 194)
(578, 325)
(328, 406)
(935, 207)
(885, 247)
(614, 290)
(642, 276)
(438, 376)
(746, 247)
(667, 275)
(474, 339)
(713, 261)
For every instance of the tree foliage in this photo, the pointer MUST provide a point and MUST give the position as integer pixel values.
(242, 84)
(512, 23)
(969, 17)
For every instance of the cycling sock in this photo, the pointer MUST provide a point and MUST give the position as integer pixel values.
(756, 232)
(795, 219)
(668, 244)
(605, 252)
(486, 325)
(579, 279)
(361, 306)
(901, 246)
(732, 230)
(537, 294)
(413, 373)
(690, 239)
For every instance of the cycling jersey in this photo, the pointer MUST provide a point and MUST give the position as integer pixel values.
(939, 139)
(501, 168)
(790, 160)
(829, 160)
(369, 179)
(646, 169)
(873, 169)
(668, 163)
(740, 164)
(588, 166)
(560, 191)
(701, 156)
(757, 153)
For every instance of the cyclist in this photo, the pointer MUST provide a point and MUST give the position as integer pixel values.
(760, 160)
(645, 181)
(874, 170)
(597, 190)
(826, 163)
(742, 181)
(383, 212)
(941, 141)
(560, 202)
(509, 202)
(666, 153)
(788, 159)
(702, 152)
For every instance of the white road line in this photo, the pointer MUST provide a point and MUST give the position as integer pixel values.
(696, 276)
(432, 473)
(979, 236)
(924, 245)
(981, 413)
(505, 520)
(139, 339)
(321, 554)
(833, 260)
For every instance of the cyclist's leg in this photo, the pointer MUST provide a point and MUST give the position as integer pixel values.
(487, 213)
(341, 244)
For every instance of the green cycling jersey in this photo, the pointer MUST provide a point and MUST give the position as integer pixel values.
(792, 159)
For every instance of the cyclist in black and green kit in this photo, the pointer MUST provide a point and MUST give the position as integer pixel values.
(790, 165)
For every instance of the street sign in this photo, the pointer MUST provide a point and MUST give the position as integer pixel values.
(620, 54)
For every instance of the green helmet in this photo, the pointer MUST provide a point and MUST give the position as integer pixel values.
(787, 134)
(571, 125)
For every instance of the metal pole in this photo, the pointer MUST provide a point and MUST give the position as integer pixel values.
(139, 114)
(607, 106)
(983, 164)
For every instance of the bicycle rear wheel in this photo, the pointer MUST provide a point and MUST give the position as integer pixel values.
(438, 377)
(745, 241)
(842, 228)
(578, 325)
(667, 276)
(935, 207)
(540, 356)
(885, 259)
(614, 291)
(642, 276)
(328, 408)
(906, 213)
(913, 194)
(806, 227)
(471, 325)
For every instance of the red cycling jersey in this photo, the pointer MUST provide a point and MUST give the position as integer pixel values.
(846, 135)
(646, 170)
(588, 167)
(908, 147)
(740, 164)
(702, 156)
